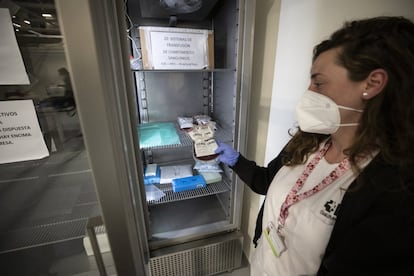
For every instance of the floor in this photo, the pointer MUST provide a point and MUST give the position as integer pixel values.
(242, 271)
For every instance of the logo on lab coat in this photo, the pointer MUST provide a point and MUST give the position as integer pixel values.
(330, 210)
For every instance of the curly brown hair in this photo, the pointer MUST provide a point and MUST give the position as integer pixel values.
(387, 123)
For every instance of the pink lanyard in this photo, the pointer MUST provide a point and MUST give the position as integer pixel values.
(293, 196)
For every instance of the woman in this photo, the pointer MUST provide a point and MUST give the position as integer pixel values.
(340, 195)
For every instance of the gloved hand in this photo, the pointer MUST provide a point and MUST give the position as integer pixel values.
(227, 154)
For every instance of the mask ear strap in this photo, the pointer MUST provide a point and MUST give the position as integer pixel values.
(349, 124)
(350, 108)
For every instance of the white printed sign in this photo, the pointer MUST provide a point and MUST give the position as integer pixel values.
(20, 136)
(173, 50)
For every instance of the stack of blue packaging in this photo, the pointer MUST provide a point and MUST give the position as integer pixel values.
(188, 183)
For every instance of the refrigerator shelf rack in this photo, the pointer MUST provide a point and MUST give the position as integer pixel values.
(170, 196)
(185, 141)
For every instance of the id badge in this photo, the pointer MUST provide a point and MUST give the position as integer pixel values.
(274, 239)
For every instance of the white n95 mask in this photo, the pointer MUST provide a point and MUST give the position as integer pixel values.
(317, 113)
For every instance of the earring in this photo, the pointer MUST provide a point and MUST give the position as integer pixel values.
(364, 94)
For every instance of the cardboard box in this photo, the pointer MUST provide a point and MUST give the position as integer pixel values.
(176, 48)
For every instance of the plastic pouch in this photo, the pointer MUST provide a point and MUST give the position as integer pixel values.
(208, 165)
(153, 193)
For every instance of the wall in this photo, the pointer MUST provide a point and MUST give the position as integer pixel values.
(296, 38)
(280, 76)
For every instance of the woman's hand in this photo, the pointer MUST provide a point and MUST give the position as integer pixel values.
(227, 154)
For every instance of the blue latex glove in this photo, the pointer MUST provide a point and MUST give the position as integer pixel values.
(227, 154)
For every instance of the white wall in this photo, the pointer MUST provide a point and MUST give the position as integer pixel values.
(304, 23)
(285, 33)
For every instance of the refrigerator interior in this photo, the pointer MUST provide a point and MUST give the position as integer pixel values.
(164, 95)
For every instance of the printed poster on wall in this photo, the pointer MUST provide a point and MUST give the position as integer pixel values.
(20, 136)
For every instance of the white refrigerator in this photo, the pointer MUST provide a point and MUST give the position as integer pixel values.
(155, 228)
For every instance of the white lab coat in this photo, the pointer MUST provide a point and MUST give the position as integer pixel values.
(309, 223)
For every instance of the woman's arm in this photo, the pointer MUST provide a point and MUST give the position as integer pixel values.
(256, 177)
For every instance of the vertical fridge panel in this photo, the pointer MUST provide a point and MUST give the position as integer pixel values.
(171, 95)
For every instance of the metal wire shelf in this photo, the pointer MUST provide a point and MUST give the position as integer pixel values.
(171, 196)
